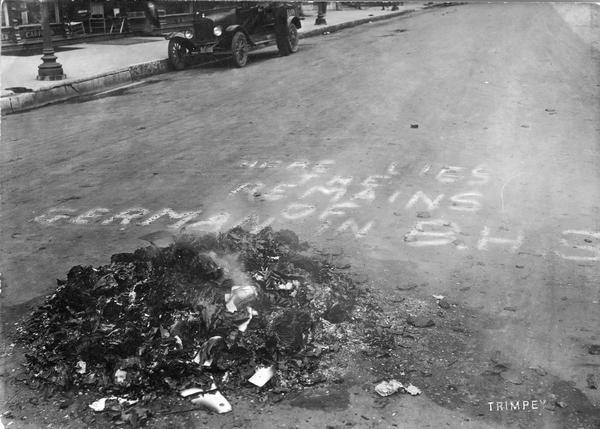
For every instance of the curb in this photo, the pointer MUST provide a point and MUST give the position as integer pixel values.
(90, 85)
(349, 24)
(78, 87)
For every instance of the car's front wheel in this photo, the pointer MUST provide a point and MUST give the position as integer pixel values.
(179, 54)
(287, 41)
(239, 49)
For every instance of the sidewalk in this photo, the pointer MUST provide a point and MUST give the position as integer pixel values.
(96, 66)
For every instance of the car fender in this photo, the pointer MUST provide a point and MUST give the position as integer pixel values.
(184, 40)
(174, 35)
(294, 20)
(232, 29)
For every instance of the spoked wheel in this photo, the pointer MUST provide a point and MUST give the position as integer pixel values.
(179, 54)
(239, 49)
(292, 38)
(287, 40)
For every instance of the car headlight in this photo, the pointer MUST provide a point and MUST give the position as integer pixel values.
(218, 30)
(188, 34)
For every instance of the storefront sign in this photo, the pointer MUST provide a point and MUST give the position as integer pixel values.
(30, 31)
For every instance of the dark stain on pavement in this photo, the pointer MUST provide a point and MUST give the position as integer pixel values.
(328, 400)
(394, 32)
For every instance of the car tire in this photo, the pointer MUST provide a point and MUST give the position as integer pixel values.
(179, 54)
(287, 40)
(239, 49)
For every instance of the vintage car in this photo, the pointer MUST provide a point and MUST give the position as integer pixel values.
(235, 31)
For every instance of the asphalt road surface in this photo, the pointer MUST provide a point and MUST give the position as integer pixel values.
(457, 150)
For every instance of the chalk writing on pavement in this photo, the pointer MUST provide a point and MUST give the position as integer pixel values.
(320, 196)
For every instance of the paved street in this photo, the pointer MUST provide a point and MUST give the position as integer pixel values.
(456, 149)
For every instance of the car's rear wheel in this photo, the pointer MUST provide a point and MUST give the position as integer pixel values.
(179, 54)
(239, 49)
(287, 40)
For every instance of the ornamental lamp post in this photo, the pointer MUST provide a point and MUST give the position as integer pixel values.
(49, 69)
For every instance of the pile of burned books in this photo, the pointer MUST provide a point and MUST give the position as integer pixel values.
(204, 312)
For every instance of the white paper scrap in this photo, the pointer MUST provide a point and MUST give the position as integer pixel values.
(191, 391)
(286, 286)
(240, 295)
(100, 404)
(178, 341)
(126, 401)
(387, 388)
(120, 376)
(230, 306)
(413, 390)
(244, 326)
(214, 401)
(261, 376)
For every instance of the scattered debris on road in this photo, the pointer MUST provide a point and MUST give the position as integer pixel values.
(214, 319)
(387, 388)
(444, 304)
(100, 404)
(413, 390)
(500, 361)
(561, 404)
(592, 381)
(207, 317)
(420, 321)
(594, 349)
(539, 371)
